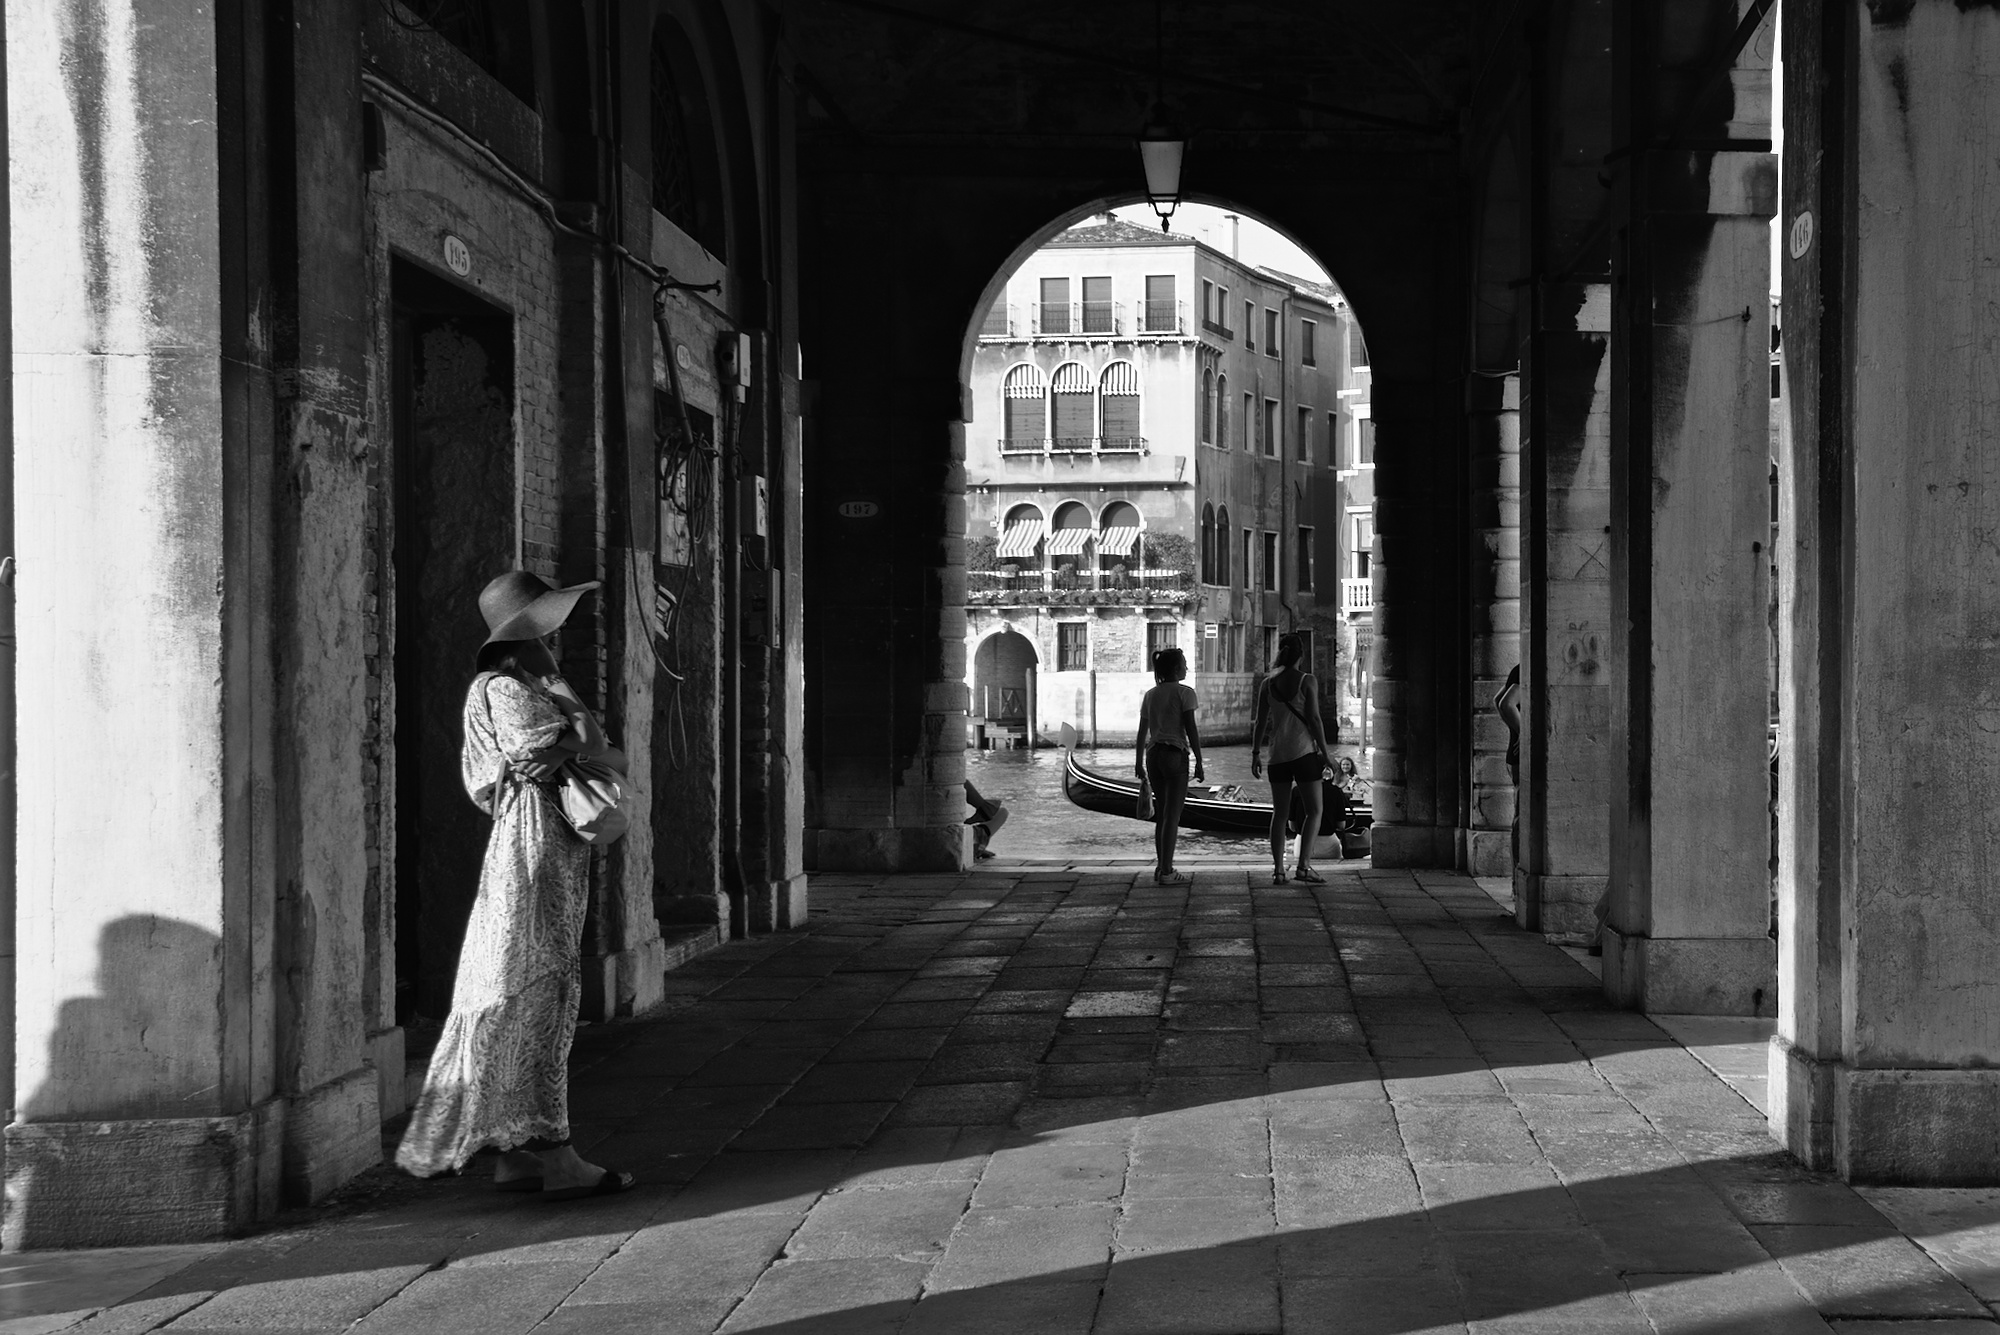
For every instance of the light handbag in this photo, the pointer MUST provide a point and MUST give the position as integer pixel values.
(1144, 809)
(593, 799)
(591, 795)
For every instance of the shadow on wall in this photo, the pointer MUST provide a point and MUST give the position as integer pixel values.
(135, 1069)
(144, 1045)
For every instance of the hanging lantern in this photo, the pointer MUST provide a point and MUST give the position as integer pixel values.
(1161, 148)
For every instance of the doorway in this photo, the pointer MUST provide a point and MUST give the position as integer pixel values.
(1003, 690)
(453, 486)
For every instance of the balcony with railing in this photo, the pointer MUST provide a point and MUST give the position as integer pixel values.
(1002, 321)
(1073, 447)
(1163, 316)
(1078, 319)
(1357, 595)
(1072, 585)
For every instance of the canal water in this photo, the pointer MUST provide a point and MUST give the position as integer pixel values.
(1042, 824)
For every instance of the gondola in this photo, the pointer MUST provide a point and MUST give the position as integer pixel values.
(1210, 807)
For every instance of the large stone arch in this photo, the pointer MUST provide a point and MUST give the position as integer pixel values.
(893, 767)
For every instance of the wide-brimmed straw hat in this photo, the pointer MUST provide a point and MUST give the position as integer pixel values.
(523, 606)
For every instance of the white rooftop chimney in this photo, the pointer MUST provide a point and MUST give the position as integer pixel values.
(1235, 226)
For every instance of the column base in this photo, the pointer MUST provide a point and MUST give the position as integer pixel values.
(144, 1181)
(1690, 975)
(891, 848)
(780, 905)
(625, 982)
(1569, 907)
(387, 1054)
(333, 1133)
(1395, 845)
(1890, 1127)
(1489, 852)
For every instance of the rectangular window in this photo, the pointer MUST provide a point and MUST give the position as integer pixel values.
(1304, 445)
(1054, 309)
(1270, 647)
(1097, 306)
(1160, 635)
(1270, 333)
(1364, 542)
(996, 319)
(1207, 302)
(1308, 332)
(1358, 349)
(1249, 559)
(1305, 560)
(1222, 308)
(1249, 422)
(1333, 440)
(1270, 563)
(1250, 325)
(1072, 646)
(1271, 427)
(1160, 305)
(1364, 443)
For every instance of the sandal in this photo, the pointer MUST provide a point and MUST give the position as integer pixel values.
(1171, 878)
(1278, 876)
(613, 1183)
(1309, 876)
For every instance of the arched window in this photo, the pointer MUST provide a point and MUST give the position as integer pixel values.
(1069, 544)
(687, 176)
(1222, 545)
(1208, 544)
(1122, 431)
(1076, 409)
(1021, 537)
(1119, 555)
(1222, 411)
(1026, 396)
(1208, 407)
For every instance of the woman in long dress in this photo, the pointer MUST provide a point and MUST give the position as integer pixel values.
(500, 1075)
(1289, 703)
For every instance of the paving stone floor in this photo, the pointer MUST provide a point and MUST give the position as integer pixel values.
(1052, 1102)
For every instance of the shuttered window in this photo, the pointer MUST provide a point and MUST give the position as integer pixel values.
(1121, 406)
(1076, 408)
(1026, 397)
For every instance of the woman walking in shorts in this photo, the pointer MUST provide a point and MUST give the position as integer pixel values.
(1167, 736)
(1288, 703)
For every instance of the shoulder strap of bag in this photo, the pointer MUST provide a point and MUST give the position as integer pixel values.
(1301, 717)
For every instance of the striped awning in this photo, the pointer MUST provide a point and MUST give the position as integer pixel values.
(1021, 537)
(1070, 541)
(1117, 541)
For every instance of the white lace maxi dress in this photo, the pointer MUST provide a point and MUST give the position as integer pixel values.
(500, 1075)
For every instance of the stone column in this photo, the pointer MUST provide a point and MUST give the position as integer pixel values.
(1493, 411)
(1689, 909)
(1565, 612)
(145, 1070)
(1886, 1065)
(1415, 575)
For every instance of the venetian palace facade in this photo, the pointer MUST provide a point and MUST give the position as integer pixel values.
(1165, 446)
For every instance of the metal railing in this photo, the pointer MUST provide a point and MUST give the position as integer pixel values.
(1069, 578)
(1069, 446)
(1000, 323)
(1164, 317)
(1357, 595)
(1078, 319)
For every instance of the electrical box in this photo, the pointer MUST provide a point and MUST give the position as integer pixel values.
(756, 519)
(732, 362)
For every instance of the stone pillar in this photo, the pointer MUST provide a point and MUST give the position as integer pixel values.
(1886, 1065)
(146, 1067)
(1418, 664)
(1689, 909)
(1493, 411)
(1565, 613)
